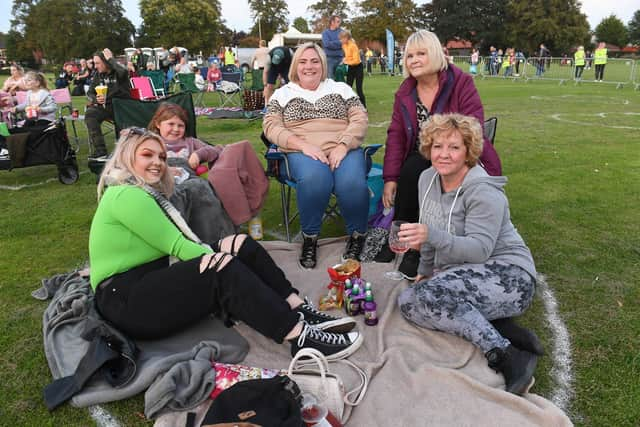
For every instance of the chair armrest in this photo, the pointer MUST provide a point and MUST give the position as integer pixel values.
(283, 171)
(369, 151)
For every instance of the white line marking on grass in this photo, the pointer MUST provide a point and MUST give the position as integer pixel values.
(23, 186)
(583, 99)
(558, 117)
(102, 417)
(562, 371)
(380, 124)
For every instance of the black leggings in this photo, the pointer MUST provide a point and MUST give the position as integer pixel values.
(406, 202)
(156, 299)
(357, 72)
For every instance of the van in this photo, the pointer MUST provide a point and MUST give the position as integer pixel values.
(243, 56)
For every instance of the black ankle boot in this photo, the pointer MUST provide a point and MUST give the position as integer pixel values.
(308, 254)
(520, 337)
(409, 265)
(354, 246)
(517, 367)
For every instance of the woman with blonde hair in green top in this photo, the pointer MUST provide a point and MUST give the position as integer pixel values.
(135, 232)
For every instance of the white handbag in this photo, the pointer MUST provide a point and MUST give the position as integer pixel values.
(313, 376)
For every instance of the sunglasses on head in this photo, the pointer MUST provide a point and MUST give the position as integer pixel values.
(138, 131)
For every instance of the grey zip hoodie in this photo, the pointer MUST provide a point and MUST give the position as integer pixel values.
(471, 225)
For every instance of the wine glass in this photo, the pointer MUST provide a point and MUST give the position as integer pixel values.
(398, 247)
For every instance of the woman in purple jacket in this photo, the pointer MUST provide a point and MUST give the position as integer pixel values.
(431, 86)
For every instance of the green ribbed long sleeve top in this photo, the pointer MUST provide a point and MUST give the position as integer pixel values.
(130, 229)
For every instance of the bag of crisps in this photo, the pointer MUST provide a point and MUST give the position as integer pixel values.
(338, 274)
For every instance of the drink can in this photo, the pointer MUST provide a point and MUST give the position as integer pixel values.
(75, 113)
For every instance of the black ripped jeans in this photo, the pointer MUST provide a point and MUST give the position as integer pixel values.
(156, 299)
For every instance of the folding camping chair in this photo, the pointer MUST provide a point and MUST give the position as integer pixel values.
(144, 88)
(256, 80)
(64, 102)
(188, 84)
(490, 126)
(157, 82)
(229, 88)
(278, 168)
(131, 112)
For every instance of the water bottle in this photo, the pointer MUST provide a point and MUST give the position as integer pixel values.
(370, 309)
(255, 228)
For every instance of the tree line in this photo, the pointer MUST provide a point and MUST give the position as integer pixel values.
(62, 29)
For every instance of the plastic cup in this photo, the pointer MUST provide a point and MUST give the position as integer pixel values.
(312, 410)
(102, 90)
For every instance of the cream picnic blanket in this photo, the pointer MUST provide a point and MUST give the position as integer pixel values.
(417, 377)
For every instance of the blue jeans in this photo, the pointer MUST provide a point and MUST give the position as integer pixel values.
(332, 63)
(315, 183)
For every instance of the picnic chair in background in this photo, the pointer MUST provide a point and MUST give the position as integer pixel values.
(230, 87)
(65, 103)
(157, 82)
(490, 126)
(256, 80)
(253, 97)
(131, 112)
(144, 88)
(278, 168)
(188, 84)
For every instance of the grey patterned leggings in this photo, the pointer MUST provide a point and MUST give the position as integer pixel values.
(463, 299)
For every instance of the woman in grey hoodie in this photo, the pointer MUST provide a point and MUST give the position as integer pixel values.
(475, 270)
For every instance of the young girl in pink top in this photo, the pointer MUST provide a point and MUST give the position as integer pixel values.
(170, 122)
(213, 76)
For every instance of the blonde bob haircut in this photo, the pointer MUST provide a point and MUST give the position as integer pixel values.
(423, 39)
(445, 124)
(293, 69)
(119, 170)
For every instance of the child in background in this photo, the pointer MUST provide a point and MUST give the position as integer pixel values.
(199, 80)
(170, 122)
(39, 105)
(354, 62)
(213, 76)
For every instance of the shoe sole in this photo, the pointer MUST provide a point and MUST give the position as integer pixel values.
(338, 326)
(343, 354)
(409, 277)
(306, 268)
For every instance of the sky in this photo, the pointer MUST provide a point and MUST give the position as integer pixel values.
(238, 17)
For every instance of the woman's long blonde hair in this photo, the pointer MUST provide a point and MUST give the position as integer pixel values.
(119, 169)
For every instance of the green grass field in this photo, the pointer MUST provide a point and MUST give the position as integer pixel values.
(571, 155)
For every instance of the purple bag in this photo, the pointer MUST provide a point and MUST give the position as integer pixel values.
(382, 218)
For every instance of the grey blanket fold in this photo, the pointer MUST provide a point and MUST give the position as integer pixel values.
(185, 385)
(199, 205)
(64, 322)
(417, 376)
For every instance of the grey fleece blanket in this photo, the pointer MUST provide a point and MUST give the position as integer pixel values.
(198, 203)
(189, 351)
(417, 376)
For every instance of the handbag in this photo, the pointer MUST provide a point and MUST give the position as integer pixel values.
(313, 376)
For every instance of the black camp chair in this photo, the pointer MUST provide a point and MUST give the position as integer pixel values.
(132, 112)
(138, 113)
